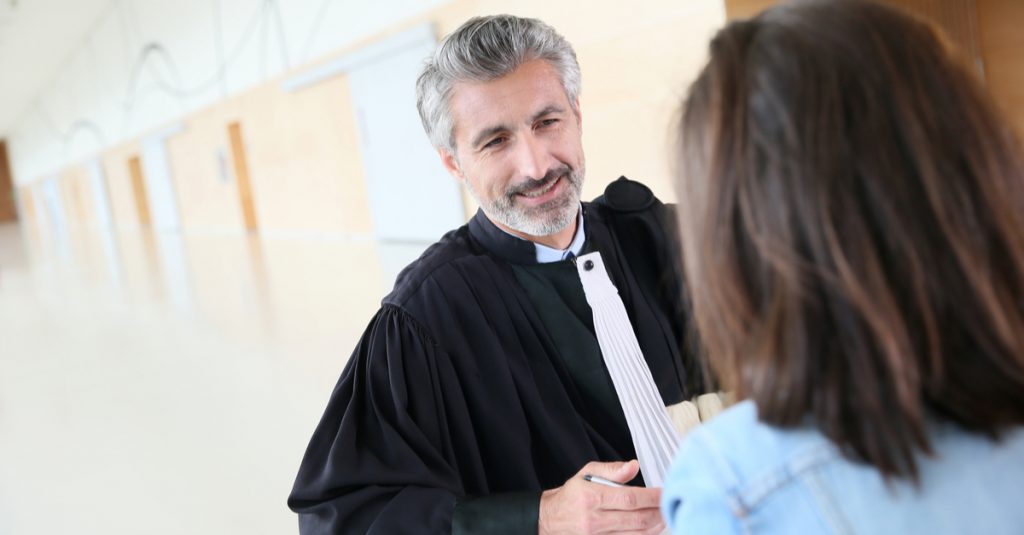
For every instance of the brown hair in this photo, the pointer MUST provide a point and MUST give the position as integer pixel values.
(852, 217)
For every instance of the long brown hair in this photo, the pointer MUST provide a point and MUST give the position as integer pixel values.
(852, 217)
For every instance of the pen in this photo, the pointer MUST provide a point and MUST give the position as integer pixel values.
(602, 481)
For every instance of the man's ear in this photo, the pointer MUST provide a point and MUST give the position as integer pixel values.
(451, 164)
(579, 113)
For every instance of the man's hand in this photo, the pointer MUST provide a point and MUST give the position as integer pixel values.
(582, 507)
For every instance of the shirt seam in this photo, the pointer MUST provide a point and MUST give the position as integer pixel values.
(829, 510)
(758, 488)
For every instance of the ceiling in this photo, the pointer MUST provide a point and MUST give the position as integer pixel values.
(37, 37)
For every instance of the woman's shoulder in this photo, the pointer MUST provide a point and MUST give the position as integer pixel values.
(745, 459)
(735, 469)
(747, 449)
(728, 471)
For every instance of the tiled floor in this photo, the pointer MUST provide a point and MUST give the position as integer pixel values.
(167, 384)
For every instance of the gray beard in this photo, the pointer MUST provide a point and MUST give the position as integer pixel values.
(544, 220)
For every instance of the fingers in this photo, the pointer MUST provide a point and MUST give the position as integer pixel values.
(626, 498)
(583, 507)
(629, 498)
(616, 471)
(640, 521)
(658, 530)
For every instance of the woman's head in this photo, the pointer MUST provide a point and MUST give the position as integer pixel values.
(852, 215)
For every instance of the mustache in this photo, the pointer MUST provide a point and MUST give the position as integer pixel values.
(532, 184)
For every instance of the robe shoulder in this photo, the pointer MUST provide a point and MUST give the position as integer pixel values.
(435, 263)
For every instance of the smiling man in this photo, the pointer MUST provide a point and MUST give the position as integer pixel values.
(483, 391)
(517, 147)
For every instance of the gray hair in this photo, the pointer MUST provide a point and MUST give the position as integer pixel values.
(485, 49)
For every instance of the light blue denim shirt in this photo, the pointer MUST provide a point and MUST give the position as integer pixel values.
(737, 475)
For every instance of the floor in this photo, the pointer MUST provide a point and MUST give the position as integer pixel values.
(167, 383)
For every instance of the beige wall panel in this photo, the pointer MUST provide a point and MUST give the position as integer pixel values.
(742, 9)
(633, 87)
(77, 196)
(303, 149)
(27, 200)
(70, 196)
(607, 20)
(445, 20)
(636, 60)
(1001, 24)
(27, 204)
(119, 184)
(304, 159)
(207, 201)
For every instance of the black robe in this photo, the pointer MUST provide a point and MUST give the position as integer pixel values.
(455, 412)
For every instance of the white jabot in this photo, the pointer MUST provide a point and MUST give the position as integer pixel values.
(654, 437)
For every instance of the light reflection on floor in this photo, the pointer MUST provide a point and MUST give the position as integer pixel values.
(168, 383)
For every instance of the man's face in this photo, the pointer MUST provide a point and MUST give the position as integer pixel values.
(518, 149)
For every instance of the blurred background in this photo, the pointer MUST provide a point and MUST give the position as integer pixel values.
(203, 201)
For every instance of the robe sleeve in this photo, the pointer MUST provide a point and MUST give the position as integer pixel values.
(382, 459)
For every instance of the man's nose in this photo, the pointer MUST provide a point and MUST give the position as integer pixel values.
(533, 158)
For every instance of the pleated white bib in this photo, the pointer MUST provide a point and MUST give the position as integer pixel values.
(650, 427)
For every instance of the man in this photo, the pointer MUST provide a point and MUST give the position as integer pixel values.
(479, 396)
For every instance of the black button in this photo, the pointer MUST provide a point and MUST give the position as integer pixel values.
(588, 265)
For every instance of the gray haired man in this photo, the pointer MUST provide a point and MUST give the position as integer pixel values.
(479, 396)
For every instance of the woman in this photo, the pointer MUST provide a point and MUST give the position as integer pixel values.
(852, 215)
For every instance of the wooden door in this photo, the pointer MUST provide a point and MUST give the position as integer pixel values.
(241, 165)
(8, 209)
(139, 190)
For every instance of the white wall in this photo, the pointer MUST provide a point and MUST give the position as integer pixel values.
(149, 62)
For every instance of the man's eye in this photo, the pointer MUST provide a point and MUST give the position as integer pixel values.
(548, 122)
(494, 142)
